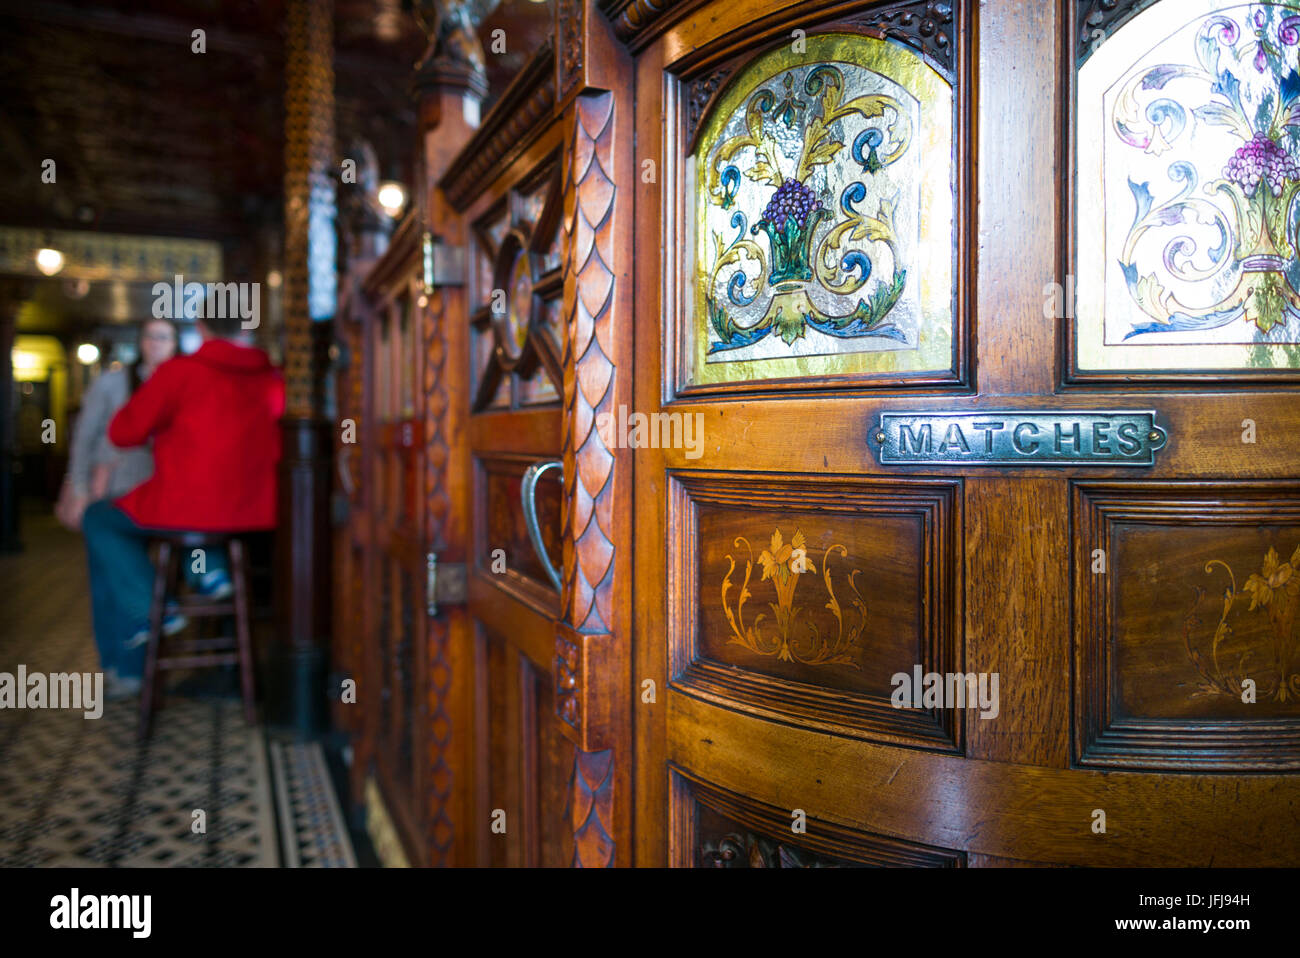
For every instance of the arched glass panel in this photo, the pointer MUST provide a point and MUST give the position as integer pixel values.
(822, 218)
(1188, 152)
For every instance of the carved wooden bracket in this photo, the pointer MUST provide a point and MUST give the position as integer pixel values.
(582, 692)
(700, 93)
(1098, 19)
(587, 56)
(925, 25)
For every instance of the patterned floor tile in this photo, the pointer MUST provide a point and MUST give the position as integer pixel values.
(84, 793)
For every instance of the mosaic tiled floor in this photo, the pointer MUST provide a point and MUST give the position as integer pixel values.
(313, 833)
(85, 793)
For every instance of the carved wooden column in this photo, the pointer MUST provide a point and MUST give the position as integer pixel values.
(303, 549)
(449, 85)
(593, 652)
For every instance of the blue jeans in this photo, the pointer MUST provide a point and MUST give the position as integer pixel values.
(121, 583)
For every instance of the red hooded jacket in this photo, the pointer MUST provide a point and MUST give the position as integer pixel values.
(214, 420)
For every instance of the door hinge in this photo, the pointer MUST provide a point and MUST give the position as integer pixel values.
(444, 265)
(445, 583)
(340, 509)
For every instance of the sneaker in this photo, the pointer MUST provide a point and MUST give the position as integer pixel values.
(173, 622)
(215, 585)
(118, 687)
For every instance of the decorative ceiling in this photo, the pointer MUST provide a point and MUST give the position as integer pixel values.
(153, 139)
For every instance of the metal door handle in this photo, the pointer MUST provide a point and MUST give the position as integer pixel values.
(528, 493)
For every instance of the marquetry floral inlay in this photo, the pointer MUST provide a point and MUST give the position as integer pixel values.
(792, 636)
(1274, 592)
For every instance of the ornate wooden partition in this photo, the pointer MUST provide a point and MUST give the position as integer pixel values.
(838, 536)
(380, 545)
(525, 743)
(593, 641)
(540, 185)
(401, 503)
(811, 237)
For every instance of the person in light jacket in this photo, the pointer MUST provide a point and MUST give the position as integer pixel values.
(96, 468)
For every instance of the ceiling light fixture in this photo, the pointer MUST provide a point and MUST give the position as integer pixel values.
(49, 261)
(392, 197)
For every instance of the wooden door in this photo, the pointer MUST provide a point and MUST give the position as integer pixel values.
(394, 558)
(505, 334)
(861, 213)
(349, 652)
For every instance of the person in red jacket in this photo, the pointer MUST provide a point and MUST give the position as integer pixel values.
(213, 419)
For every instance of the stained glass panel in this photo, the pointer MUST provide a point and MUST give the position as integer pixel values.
(482, 273)
(528, 206)
(552, 323)
(483, 346)
(553, 257)
(823, 217)
(496, 230)
(1188, 133)
(536, 388)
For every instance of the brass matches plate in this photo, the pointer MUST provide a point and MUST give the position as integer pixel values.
(1017, 438)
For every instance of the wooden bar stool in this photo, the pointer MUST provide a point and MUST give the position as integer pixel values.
(197, 653)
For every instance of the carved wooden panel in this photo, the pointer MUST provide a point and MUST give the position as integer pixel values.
(514, 346)
(583, 640)
(502, 527)
(699, 93)
(569, 16)
(802, 598)
(712, 827)
(527, 763)
(549, 766)
(1187, 597)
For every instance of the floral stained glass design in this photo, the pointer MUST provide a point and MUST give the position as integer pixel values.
(823, 226)
(1188, 172)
